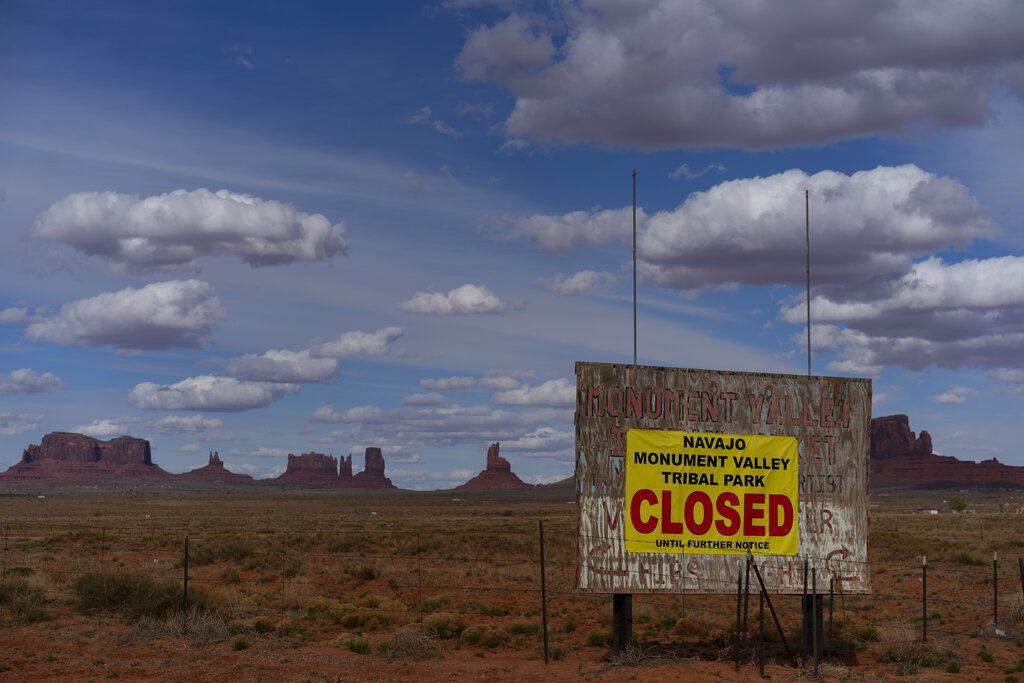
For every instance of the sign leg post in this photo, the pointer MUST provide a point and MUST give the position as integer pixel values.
(622, 621)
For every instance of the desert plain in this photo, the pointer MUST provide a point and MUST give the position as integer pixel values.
(291, 584)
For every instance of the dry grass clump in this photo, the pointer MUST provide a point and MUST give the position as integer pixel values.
(445, 624)
(230, 549)
(635, 654)
(1014, 610)
(135, 595)
(197, 625)
(370, 612)
(485, 636)
(23, 601)
(413, 644)
(910, 654)
(692, 625)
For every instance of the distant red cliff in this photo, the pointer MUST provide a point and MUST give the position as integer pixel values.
(901, 458)
(316, 469)
(215, 471)
(498, 474)
(66, 457)
(372, 476)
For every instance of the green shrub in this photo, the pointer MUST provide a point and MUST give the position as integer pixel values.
(135, 596)
(239, 644)
(866, 633)
(445, 625)
(231, 550)
(692, 625)
(964, 557)
(367, 572)
(524, 628)
(953, 667)
(19, 571)
(359, 646)
(986, 656)
(262, 625)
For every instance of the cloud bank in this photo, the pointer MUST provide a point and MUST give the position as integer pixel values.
(175, 229)
(749, 75)
(209, 392)
(28, 381)
(464, 300)
(162, 315)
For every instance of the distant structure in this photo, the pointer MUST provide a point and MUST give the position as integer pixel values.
(65, 457)
(372, 476)
(316, 469)
(498, 474)
(901, 458)
(215, 471)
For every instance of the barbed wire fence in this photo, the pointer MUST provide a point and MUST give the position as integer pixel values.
(485, 588)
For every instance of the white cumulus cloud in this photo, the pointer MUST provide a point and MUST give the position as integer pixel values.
(281, 366)
(750, 75)
(577, 228)
(16, 316)
(431, 399)
(868, 224)
(543, 441)
(357, 343)
(209, 392)
(556, 393)
(464, 300)
(357, 414)
(28, 381)
(449, 384)
(103, 429)
(180, 424)
(162, 315)
(578, 283)
(954, 395)
(965, 314)
(12, 424)
(175, 229)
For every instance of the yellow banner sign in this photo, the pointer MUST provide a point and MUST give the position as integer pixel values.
(718, 494)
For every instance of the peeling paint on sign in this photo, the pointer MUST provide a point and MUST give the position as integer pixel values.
(829, 416)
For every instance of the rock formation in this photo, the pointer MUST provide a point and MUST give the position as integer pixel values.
(215, 471)
(345, 470)
(372, 476)
(899, 458)
(67, 458)
(311, 468)
(498, 474)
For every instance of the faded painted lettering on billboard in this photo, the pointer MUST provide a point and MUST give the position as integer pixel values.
(829, 419)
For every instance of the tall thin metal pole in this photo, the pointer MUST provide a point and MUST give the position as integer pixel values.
(184, 587)
(807, 234)
(634, 268)
(622, 603)
(543, 591)
(924, 598)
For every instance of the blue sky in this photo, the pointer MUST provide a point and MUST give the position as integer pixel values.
(265, 229)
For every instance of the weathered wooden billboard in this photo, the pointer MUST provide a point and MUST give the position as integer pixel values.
(830, 419)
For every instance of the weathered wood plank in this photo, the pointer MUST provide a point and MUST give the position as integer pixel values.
(829, 416)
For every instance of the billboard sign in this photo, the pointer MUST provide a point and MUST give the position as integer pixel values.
(680, 473)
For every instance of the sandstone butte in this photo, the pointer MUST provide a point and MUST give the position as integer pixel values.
(498, 474)
(372, 476)
(215, 471)
(311, 468)
(63, 457)
(899, 457)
